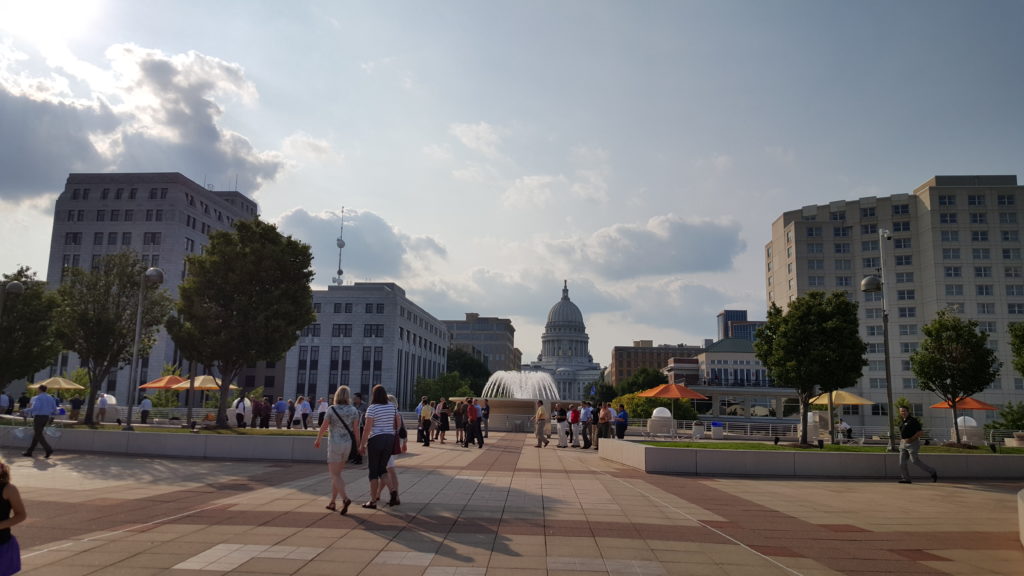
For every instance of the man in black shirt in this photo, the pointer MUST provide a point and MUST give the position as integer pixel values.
(910, 444)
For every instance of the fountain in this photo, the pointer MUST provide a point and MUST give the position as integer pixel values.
(521, 386)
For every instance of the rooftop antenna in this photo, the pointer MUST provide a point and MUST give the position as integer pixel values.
(338, 280)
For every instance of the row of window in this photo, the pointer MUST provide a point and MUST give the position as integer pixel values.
(870, 212)
(347, 308)
(949, 200)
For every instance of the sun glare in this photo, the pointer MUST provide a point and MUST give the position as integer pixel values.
(48, 23)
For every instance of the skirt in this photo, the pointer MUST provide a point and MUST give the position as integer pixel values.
(10, 557)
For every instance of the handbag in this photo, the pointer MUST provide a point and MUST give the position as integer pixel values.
(353, 452)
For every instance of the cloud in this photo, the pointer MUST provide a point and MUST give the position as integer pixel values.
(146, 111)
(664, 246)
(532, 191)
(719, 164)
(591, 176)
(374, 249)
(480, 137)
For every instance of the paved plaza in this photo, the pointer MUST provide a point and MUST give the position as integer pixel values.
(509, 509)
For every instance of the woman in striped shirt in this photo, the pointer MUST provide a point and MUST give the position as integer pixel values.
(377, 442)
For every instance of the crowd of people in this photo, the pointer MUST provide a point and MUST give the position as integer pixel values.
(470, 417)
(579, 425)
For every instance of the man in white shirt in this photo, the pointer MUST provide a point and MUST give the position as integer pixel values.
(585, 417)
(144, 407)
(101, 406)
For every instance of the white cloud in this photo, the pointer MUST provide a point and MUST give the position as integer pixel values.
(480, 137)
(719, 163)
(532, 191)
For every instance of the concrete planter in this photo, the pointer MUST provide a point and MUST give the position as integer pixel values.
(808, 463)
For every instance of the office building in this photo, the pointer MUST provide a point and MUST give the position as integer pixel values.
(493, 338)
(734, 324)
(952, 243)
(628, 360)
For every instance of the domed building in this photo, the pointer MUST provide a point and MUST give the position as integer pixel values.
(565, 350)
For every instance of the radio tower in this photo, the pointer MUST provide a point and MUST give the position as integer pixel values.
(338, 280)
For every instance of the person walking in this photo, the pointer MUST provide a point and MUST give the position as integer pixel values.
(392, 477)
(377, 442)
(291, 413)
(910, 445)
(145, 407)
(360, 406)
(302, 405)
(540, 424)
(585, 425)
(485, 418)
(12, 512)
(459, 415)
(42, 408)
(280, 410)
(321, 411)
(341, 425)
(101, 408)
(426, 415)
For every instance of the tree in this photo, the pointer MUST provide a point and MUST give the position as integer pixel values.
(954, 361)
(1010, 417)
(97, 314)
(27, 341)
(814, 344)
(641, 407)
(444, 386)
(642, 379)
(244, 300)
(469, 368)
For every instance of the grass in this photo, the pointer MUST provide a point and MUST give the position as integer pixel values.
(827, 448)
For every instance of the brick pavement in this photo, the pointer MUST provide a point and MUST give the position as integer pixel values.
(505, 510)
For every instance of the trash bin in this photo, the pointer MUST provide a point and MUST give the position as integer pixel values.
(717, 431)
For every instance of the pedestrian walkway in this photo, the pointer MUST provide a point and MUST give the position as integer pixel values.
(509, 509)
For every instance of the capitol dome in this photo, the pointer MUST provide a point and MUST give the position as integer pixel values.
(565, 312)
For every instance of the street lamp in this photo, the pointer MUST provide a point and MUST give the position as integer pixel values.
(874, 283)
(13, 288)
(151, 277)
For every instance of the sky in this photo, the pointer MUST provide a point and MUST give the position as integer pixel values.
(485, 152)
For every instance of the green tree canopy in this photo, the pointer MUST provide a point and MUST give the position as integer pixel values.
(468, 367)
(954, 360)
(642, 379)
(244, 300)
(27, 340)
(445, 386)
(814, 345)
(1010, 417)
(97, 314)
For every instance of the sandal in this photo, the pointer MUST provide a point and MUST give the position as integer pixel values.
(344, 506)
(330, 506)
(372, 505)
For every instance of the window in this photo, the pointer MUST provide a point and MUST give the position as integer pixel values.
(904, 294)
(900, 209)
(126, 238)
(907, 311)
(373, 330)
(947, 217)
(1007, 217)
(348, 308)
(872, 313)
(1015, 308)
(953, 290)
(975, 199)
(101, 215)
(978, 218)
(869, 246)
(901, 243)
(842, 247)
(816, 281)
(987, 326)
(908, 347)
(876, 383)
(902, 226)
(844, 282)
(341, 331)
(908, 329)
(111, 238)
(1006, 200)
(843, 264)
(979, 235)
(159, 215)
(814, 231)
(115, 215)
(380, 308)
(982, 271)
(949, 235)
(73, 239)
(904, 277)
(129, 215)
(872, 296)
(947, 200)
(841, 231)
(150, 238)
(955, 307)
(815, 248)
(981, 253)
(317, 307)
(867, 212)
(1012, 272)
(869, 228)
(1010, 236)
(154, 193)
(1015, 289)
(983, 290)
(876, 365)
(874, 330)
(97, 239)
(149, 215)
(313, 330)
(1011, 253)
(875, 348)
(986, 308)
(952, 271)
(838, 215)
(851, 410)
(132, 193)
(904, 260)
(815, 264)
(950, 253)
(880, 409)
(871, 262)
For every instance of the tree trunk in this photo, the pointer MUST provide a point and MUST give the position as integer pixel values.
(803, 418)
(956, 425)
(831, 420)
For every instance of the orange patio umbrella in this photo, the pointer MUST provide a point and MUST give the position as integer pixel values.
(965, 404)
(164, 382)
(672, 391)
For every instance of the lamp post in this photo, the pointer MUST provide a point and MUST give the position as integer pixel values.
(876, 283)
(151, 277)
(13, 288)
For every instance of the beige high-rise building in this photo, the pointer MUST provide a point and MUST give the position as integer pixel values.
(954, 242)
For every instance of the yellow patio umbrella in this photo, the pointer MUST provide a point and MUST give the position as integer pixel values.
(57, 383)
(164, 382)
(204, 382)
(840, 397)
